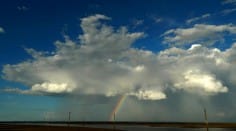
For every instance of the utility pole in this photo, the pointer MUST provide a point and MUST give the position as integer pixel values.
(206, 121)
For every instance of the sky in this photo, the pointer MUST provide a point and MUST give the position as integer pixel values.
(155, 60)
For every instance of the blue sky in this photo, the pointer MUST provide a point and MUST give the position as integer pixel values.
(82, 56)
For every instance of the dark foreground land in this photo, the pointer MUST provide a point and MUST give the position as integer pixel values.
(11, 127)
(91, 126)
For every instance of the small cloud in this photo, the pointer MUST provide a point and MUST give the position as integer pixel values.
(228, 11)
(156, 19)
(199, 33)
(224, 2)
(137, 22)
(168, 20)
(19, 91)
(2, 30)
(189, 21)
(22, 8)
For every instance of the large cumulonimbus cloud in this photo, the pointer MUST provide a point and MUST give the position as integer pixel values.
(104, 63)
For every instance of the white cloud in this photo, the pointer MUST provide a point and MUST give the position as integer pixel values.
(149, 95)
(228, 2)
(19, 91)
(52, 87)
(22, 8)
(2, 30)
(189, 21)
(202, 82)
(197, 69)
(139, 68)
(157, 19)
(199, 33)
(104, 63)
(228, 11)
(137, 22)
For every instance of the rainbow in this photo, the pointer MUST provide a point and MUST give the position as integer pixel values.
(117, 107)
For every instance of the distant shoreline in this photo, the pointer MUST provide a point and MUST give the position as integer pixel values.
(151, 124)
(22, 127)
